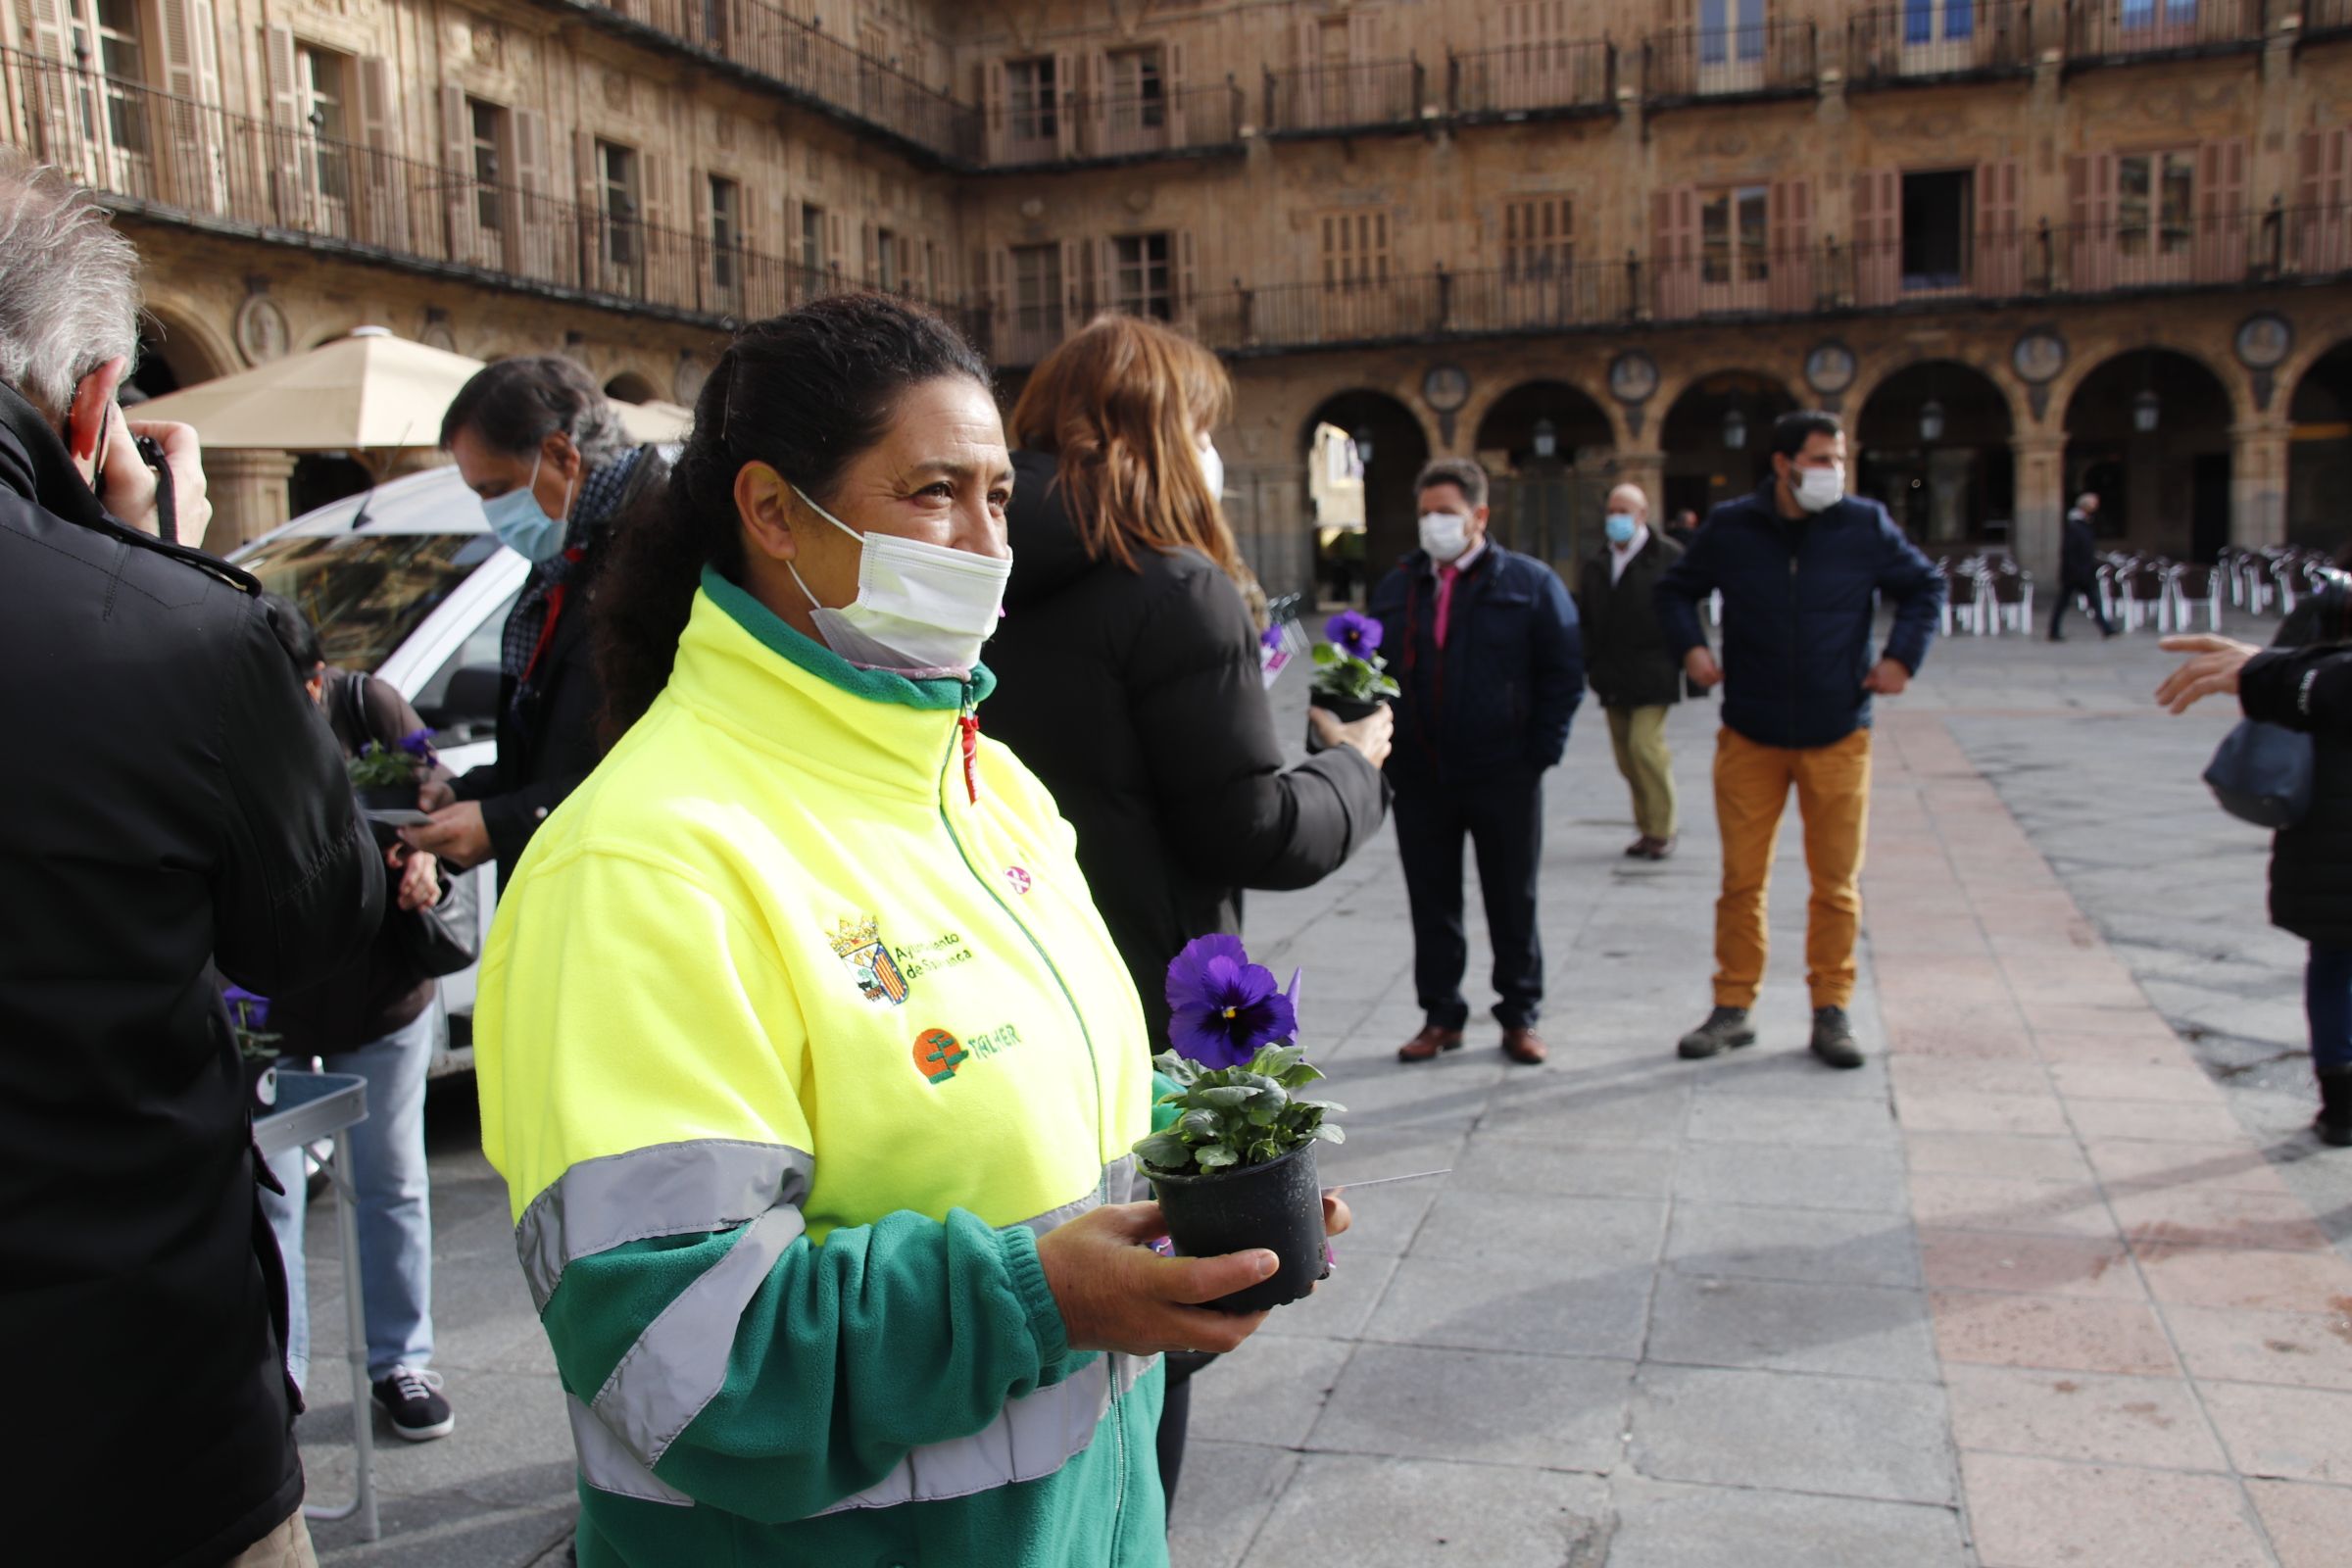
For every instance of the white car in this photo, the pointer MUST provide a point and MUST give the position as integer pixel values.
(407, 583)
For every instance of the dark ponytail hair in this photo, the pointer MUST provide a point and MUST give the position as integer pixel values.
(806, 393)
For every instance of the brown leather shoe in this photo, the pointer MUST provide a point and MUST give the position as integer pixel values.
(1640, 849)
(1429, 1042)
(1524, 1045)
(1659, 849)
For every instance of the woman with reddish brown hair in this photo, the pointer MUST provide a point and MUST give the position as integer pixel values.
(1128, 669)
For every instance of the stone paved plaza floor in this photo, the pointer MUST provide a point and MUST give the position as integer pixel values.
(2058, 1279)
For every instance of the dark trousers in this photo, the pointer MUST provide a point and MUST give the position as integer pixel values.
(2066, 600)
(1503, 819)
(2328, 1003)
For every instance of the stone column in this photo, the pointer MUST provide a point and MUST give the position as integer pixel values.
(2040, 504)
(248, 491)
(2258, 483)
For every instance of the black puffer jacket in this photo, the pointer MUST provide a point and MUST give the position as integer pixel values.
(173, 801)
(1135, 696)
(1626, 658)
(2311, 863)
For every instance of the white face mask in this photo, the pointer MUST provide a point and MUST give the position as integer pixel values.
(1212, 469)
(923, 611)
(1445, 534)
(1818, 489)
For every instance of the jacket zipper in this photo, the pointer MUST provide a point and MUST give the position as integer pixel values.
(1796, 653)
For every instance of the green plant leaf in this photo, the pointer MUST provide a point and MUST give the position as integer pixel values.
(1165, 1150)
(1299, 1077)
(1198, 1124)
(1327, 654)
(1217, 1156)
(1225, 1095)
(1332, 1132)
(1275, 1061)
(1327, 1106)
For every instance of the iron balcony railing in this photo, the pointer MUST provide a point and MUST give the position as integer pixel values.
(1563, 76)
(1765, 58)
(2326, 18)
(1087, 127)
(768, 41)
(1334, 98)
(1928, 42)
(2118, 29)
(170, 157)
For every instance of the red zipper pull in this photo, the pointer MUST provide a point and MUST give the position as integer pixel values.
(971, 723)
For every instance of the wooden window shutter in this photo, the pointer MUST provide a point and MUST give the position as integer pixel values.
(2090, 221)
(51, 99)
(995, 116)
(702, 244)
(293, 194)
(459, 206)
(1788, 239)
(43, 21)
(277, 65)
(1065, 114)
(2320, 230)
(534, 226)
(1075, 281)
(2000, 270)
(2221, 212)
(588, 176)
(1185, 305)
(192, 76)
(868, 261)
(1674, 221)
(1106, 274)
(837, 241)
(1094, 104)
(1878, 240)
(1172, 83)
(382, 218)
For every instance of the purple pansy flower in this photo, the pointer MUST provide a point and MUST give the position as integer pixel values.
(1354, 632)
(1271, 637)
(418, 743)
(249, 1011)
(1223, 1007)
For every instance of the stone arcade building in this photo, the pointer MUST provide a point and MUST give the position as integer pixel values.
(2024, 246)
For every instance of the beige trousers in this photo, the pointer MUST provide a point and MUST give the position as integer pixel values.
(1637, 735)
(286, 1547)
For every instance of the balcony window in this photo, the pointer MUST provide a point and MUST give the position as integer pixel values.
(489, 130)
(1037, 290)
(1733, 262)
(1938, 218)
(1032, 100)
(123, 61)
(319, 77)
(726, 231)
(1138, 90)
(1537, 239)
(886, 259)
(616, 186)
(812, 239)
(1731, 45)
(1356, 250)
(1933, 21)
(1139, 278)
(2154, 199)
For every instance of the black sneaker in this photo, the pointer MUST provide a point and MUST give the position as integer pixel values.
(1834, 1038)
(411, 1399)
(1725, 1029)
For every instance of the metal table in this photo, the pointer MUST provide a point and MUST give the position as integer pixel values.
(311, 1106)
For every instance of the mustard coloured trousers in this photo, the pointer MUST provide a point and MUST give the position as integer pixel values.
(1637, 735)
(1833, 795)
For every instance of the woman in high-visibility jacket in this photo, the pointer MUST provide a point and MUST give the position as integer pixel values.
(810, 1066)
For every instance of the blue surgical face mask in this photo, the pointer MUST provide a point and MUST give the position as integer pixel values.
(523, 526)
(1620, 527)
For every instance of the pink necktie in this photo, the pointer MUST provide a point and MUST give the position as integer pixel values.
(1445, 577)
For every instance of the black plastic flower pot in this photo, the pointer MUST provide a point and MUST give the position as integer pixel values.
(387, 797)
(1277, 1205)
(1347, 709)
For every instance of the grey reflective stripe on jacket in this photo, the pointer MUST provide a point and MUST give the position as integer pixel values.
(1121, 1183)
(709, 1184)
(1032, 1437)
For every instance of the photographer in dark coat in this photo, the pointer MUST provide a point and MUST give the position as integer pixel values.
(177, 805)
(1634, 676)
(538, 441)
(1127, 674)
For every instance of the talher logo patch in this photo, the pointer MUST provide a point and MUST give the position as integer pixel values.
(859, 945)
(938, 1053)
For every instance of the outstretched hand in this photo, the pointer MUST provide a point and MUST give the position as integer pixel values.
(2213, 671)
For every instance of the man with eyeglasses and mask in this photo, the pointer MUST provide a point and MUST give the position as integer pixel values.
(536, 439)
(176, 812)
(1801, 566)
(1484, 642)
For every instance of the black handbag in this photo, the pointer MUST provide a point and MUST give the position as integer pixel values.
(2262, 773)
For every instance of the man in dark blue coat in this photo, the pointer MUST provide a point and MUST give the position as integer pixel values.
(1485, 643)
(1800, 566)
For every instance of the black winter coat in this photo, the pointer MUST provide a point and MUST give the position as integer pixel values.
(1626, 658)
(1497, 698)
(547, 738)
(173, 801)
(1799, 596)
(2079, 554)
(1135, 696)
(2311, 863)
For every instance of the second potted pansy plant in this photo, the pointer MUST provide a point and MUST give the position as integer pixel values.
(386, 777)
(1352, 679)
(1235, 1168)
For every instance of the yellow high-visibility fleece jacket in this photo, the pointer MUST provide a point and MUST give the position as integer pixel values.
(797, 1027)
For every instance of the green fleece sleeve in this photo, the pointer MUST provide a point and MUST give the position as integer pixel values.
(1164, 1117)
(882, 1339)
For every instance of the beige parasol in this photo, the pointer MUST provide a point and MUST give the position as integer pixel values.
(368, 390)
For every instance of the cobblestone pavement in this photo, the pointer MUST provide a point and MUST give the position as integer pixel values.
(2051, 1281)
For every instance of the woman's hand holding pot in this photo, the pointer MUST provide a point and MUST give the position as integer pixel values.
(1117, 1294)
(1370, 735)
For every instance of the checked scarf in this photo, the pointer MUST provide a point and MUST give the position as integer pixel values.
(600, 493)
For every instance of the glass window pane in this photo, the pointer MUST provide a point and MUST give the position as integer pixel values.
(1715, 239)
(366, 591)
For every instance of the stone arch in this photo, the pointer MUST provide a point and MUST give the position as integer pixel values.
(2319, 451)
(1931, 442)
(1399, 447)
(2165, 489)
(1551, 446)
(178, 349)
(632, 386)
(1703, 467)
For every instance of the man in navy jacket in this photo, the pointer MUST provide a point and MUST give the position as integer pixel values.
(1800, 566)
(1485, 643)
